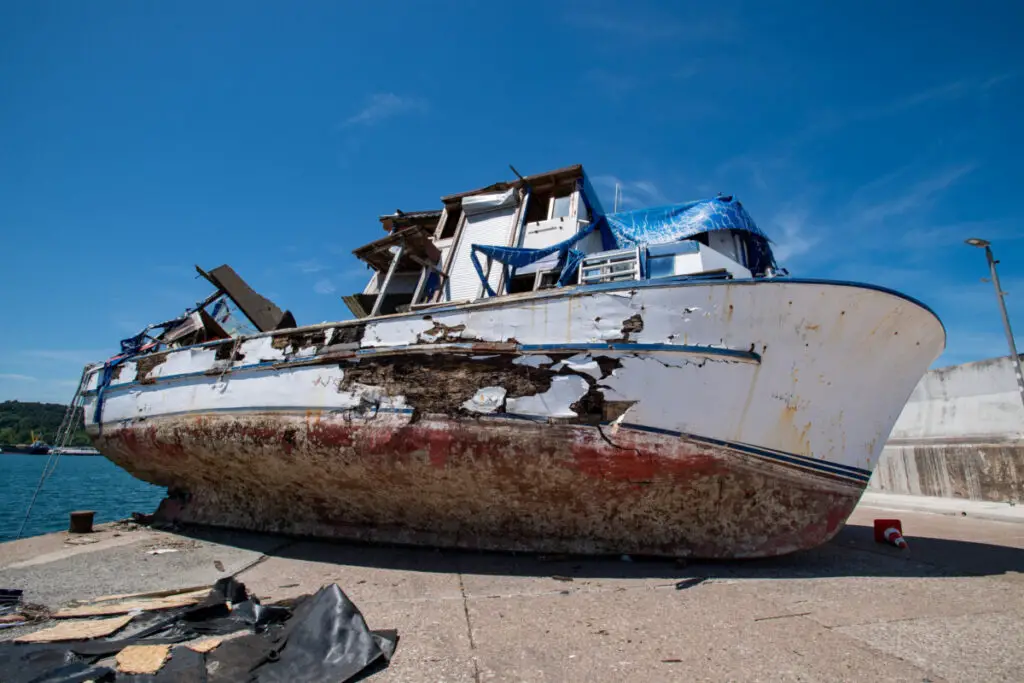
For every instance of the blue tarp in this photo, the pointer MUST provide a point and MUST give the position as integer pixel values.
(658, 225)
(517, 257)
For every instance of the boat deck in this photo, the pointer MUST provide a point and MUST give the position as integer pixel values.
(950, 609)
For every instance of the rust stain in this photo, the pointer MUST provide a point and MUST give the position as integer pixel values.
(480, 483)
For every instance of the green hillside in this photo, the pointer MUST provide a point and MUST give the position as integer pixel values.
(18, 420)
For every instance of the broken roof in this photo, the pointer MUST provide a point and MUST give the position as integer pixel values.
(403, 219)
(418, 249)
(537, 181)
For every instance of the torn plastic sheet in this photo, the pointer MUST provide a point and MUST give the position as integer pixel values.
(320, 638)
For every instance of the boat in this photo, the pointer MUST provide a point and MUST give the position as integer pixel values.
(527, 372)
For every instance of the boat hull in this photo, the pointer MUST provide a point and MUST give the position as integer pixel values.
(715, 420)
(487, 483)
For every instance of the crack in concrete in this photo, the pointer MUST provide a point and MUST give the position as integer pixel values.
(469, 628)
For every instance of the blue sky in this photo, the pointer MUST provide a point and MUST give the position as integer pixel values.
(140, 138)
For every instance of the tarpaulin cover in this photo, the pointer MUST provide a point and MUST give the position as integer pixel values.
(517, 257)
(643, 227)
(676, 222)
(322, 638)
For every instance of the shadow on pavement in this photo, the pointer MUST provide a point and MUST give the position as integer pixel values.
(852, 553)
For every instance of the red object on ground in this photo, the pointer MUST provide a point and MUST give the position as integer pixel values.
(890, 531)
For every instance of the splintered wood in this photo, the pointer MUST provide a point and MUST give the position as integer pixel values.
(142, 659)
(124, 606)
(76, 630)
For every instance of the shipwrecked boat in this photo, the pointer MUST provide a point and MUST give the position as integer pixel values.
(527, 372)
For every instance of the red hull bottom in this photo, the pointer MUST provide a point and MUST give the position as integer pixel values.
(479, 483)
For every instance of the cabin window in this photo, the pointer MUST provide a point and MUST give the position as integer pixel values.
(560, 206)
(661, 266)
(550, 202)
(548, 279)
(454, 215)
(537, 207)
(522, 283)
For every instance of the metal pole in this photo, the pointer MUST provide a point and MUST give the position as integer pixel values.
(1006, 322)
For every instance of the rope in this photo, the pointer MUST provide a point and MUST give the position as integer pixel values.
(42, 479)
(64, 432)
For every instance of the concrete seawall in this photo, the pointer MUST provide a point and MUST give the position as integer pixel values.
(961, 435)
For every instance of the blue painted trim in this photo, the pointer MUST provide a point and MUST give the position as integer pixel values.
(273, 409)
(848, 471)
(670, 348)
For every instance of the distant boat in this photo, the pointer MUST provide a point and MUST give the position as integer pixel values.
(80, 450)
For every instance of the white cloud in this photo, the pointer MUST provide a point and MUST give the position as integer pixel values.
(324, 286)
(634, 194)
(309, 266)
(791, 238)
(920, 195)
(382, 106)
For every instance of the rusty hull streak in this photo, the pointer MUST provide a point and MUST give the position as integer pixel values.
(478, 483)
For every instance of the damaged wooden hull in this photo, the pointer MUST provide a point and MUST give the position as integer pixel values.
(719, 420)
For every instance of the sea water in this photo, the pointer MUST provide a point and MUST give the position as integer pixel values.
(77, 483)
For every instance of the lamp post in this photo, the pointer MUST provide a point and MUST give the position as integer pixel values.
(975, 242)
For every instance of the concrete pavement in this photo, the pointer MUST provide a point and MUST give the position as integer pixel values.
(951, 608)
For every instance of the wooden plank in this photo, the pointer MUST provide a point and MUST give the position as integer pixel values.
(122, 607)
(262, 312)
(142, 659)
(76, 630)
(150, 594)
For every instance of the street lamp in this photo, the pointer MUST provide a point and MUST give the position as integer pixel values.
(975, 242)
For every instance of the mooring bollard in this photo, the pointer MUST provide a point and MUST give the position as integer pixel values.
(81, 522)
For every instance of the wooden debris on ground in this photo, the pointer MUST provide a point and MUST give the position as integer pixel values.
(210, 643)
(124, 606)
(150, 594)
(76, 630)
(142, 659)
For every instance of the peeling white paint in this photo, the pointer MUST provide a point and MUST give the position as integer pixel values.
(581, 362)
(876, 348)
(257, 350)
(486, 400)
(533, 360)
(554, 402)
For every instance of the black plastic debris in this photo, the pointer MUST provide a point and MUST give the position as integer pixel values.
(322, 637)
(690, 583)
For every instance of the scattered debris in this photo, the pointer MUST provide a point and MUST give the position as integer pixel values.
(218, 565)
(80, 540)
(782, 616)
(556, 577)
(100, 608)
(690, 583)
(142, 659)
(76, 630)
(672, 661)
(161, 551)
(207, 644)
(317, 638)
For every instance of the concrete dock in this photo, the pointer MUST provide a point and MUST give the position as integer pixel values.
(949, 609)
